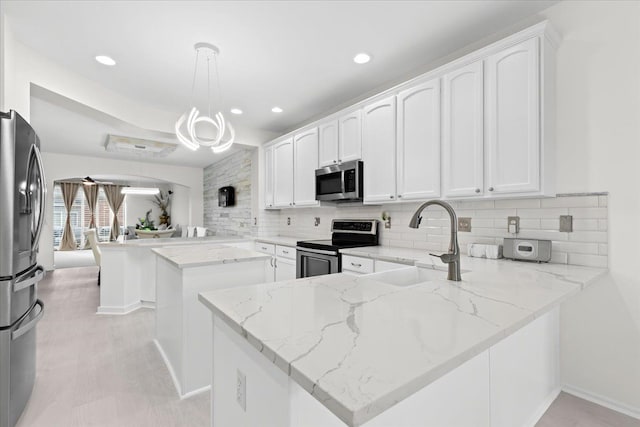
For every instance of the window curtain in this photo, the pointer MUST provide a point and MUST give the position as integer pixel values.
(115, 199)
(91, 195)
(69, 191)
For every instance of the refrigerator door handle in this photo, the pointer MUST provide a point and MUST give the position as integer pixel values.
(35, 154)
(25, 283)
(23, 329)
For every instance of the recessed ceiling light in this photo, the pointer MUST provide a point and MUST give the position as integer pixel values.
(105, 60)
(236, 111)
(276, 110)
(362, 58)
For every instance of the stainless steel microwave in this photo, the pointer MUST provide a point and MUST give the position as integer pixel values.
(341, 182)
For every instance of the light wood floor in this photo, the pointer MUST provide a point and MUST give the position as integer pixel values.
(105, 370)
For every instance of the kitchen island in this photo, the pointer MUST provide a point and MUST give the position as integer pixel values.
(399, 348)
(128, 270)
(183, 325)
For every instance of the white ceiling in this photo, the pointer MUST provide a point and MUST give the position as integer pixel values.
(294, 54)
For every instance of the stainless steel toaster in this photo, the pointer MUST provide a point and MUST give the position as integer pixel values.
(527, 249)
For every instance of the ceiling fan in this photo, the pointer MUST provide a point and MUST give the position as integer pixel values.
(87, 180)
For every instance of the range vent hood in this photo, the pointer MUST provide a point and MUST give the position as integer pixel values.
(142, 147)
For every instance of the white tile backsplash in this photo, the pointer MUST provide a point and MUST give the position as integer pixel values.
(539, 218)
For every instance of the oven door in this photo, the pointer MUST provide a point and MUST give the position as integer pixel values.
(315, 262)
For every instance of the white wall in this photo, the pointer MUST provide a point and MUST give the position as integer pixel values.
(598, 140)
(139, 204)
(186, 206)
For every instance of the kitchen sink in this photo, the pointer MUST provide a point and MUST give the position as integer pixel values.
(408, 276)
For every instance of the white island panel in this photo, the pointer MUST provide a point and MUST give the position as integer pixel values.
(183, 325)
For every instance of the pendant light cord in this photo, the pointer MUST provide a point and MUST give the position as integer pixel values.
(215, 64)
(208, 86)
(193, 82)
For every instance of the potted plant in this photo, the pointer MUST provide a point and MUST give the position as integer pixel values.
(146, 223)
(163, 201)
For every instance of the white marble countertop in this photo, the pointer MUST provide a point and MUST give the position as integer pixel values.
(285, 240)
(200, 255)
(171, 241)
(360, 345)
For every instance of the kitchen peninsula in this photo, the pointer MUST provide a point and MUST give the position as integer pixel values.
(183, 325)
(391, 348)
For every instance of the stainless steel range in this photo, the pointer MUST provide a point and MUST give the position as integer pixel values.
(318, 257)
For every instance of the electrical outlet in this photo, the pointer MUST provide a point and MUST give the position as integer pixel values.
(255, 220)
(464, 224)
(316, 221)
(566, 223)
(288, 220)
(513, 224)
(241, 390)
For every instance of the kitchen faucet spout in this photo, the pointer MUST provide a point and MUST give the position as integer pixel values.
(452, 257)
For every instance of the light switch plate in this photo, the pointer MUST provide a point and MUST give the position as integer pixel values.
(464, 224)
(513, 224)
(566, 223)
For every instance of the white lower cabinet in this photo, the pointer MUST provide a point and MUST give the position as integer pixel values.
(359, 265)
(282, 265)
(356, 265)
(285, 269)
(268, 248)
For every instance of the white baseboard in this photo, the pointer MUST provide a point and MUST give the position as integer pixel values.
(119, 310)
(539, 412)
(165, 359)
(602, 401)
(148, 304)
(174, 378)
(194, 392)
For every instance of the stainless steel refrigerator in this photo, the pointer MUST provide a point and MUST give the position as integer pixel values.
(22, 197)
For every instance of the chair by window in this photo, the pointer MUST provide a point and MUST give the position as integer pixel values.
(92, 238)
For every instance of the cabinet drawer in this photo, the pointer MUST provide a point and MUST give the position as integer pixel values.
(266, 248)
(286, 252)
(357, 264)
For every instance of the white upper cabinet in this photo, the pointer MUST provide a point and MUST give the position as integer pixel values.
(512, 120)
(328, 144)
(462, 133)
(283, 173)
(305, 163)
(418, 151)
(379, 150)
(350, 137)
(479, 127)
(268, 177)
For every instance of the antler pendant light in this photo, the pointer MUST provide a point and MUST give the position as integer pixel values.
(186, 124)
